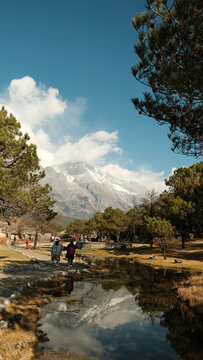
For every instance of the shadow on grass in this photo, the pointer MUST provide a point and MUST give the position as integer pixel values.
(191, 252)
(16, 263)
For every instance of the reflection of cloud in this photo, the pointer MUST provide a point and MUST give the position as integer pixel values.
(115, 326)
(124, 329)
(83, 339)
(123, 317)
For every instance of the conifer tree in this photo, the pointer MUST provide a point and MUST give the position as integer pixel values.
(115, 222)
(134, 221)
(182, 204)
(96, 224)
(170, 54)
(20, 174)
(77, 226)
(160, 229)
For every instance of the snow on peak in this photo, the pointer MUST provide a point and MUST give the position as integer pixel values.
(69, 178)
(121, 189)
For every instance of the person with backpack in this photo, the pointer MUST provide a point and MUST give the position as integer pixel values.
(70, 252)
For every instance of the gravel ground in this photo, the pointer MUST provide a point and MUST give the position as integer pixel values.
(10, 282)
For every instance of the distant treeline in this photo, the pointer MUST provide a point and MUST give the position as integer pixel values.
(177, 212)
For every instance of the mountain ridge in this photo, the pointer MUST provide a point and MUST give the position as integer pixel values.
(80, 189)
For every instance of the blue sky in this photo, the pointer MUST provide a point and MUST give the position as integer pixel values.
(84, 50)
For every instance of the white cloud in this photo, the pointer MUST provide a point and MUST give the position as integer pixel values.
(143, 176)
(39, 109)
(32, 105)
(91, 148)
(35, 106)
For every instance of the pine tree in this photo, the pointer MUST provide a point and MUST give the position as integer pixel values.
(169, 48)
(160, 229)
(115, 222)
(77, 226)
(182, 204)
(134, 221)
(20, 175)
(96, 224)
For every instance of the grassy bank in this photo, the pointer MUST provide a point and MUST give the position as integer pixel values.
(190, 290)
(9, 257)
(19, 341)
(191, 257)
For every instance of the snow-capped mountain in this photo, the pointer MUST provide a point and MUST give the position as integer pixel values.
(80, 190)
(95, 306)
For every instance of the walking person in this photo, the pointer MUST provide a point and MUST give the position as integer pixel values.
(70, 252)
(27, 243)
(56, 251)
(52, 238)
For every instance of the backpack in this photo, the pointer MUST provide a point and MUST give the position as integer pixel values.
(71, 250)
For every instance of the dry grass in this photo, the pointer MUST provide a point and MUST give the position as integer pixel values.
(11, 257)
(191, 290)
(15, 345)
(63, 355)
(19, 342)
(3, 240)
(159, 262)
(192, 256)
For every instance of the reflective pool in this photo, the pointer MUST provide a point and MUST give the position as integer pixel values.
(121, 317)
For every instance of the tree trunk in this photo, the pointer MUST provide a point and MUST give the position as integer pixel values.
(118, 236)
(162, 246)
(133, 230)
(36, 239)
(183, 241)
(164, 253)
(151, 241)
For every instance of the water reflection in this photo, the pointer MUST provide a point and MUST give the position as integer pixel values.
(69, 286)
(105, 325)
(123, 317)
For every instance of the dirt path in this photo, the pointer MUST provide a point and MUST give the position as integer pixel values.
(10, 282)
